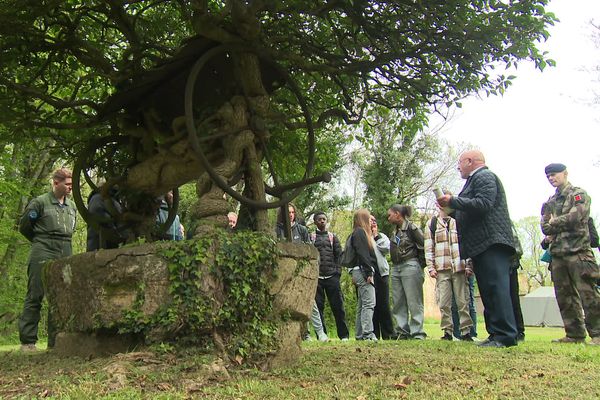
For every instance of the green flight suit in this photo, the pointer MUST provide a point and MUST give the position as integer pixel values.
(49, 225)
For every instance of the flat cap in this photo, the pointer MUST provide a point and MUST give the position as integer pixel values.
(554, 168)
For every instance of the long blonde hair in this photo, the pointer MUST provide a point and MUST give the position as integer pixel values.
(362, 220)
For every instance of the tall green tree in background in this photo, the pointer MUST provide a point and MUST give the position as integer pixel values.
(531, 236)
(401, 161)
(392, 161)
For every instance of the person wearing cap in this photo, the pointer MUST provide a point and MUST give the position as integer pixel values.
(485, 235)
(573, 269)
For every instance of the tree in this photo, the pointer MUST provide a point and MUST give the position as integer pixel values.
(530, 235)
(393, 159)
(211, 92)
(402, 161)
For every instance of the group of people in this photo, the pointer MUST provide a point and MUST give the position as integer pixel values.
(471, 235)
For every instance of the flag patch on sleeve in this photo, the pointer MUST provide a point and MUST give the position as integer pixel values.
(578, 198)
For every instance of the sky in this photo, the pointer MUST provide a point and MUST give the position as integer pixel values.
(543, 117)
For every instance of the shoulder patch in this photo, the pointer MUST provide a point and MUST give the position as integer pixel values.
(578, 198)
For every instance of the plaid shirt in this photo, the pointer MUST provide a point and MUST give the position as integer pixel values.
(442, 253)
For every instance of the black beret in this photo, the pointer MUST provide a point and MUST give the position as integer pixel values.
(554, 168)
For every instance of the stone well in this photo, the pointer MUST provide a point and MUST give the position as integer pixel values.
(89, 293)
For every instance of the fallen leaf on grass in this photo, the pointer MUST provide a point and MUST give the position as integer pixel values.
(407, 380)
(304, 385)
(164, 386)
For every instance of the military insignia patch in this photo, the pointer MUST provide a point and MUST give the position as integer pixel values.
(578, 198)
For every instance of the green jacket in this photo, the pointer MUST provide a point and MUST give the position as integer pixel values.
(569, 228)
(49, 225)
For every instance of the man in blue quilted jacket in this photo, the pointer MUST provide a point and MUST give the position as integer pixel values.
(485, 236)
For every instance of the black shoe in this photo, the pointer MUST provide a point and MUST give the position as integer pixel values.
(446, 336)
(520, 337)
(467, 338)
(491, 343)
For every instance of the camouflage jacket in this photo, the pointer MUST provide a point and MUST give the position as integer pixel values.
(569, 227)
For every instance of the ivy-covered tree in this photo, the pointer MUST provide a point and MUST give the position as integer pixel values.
(156, 94)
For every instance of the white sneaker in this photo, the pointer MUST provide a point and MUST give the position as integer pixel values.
(345, 339)
(323, 337)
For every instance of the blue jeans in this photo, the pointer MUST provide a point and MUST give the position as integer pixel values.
(365, 306)
(407, 299)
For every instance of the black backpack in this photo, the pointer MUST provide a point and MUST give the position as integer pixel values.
(594, 242)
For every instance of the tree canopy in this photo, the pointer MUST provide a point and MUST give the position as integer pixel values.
(75, 71)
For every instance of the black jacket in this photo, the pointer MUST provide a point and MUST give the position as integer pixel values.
(111, 234)
(365, 256)
(481, 214)
(329, 253)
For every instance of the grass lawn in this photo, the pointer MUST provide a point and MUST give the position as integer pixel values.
(430, 369)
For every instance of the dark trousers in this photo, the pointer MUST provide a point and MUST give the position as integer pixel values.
(472, 310)
(41, 252)
(330, 287)
(492, 270)
(383, 327)
(516, 301)
(30, 317)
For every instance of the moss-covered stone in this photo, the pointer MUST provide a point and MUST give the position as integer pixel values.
(243, 295)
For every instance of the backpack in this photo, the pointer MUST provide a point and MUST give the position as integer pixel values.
(348, 257)
(420, 248)
(433, 227)
(593, 233)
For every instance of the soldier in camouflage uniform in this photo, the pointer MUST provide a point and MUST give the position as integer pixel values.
(574, 269)
(48, 223)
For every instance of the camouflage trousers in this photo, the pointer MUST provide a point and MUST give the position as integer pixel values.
(574, 278)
